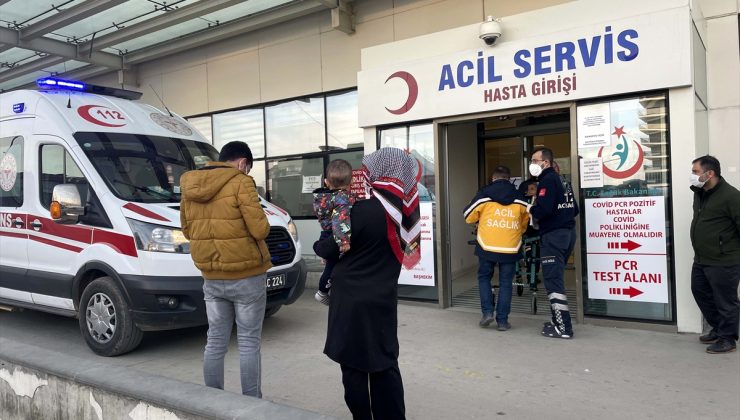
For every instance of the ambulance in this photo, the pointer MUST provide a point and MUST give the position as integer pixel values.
(90, 214)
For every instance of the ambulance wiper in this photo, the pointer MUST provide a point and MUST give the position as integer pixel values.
(145, 189)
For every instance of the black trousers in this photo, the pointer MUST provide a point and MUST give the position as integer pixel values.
(715, 291)
(375, 395)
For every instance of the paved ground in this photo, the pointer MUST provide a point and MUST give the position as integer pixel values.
(452, 369)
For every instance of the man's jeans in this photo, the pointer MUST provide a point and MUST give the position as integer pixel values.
(555, 249)
(715, 291)
(244, 301)
(505, 278)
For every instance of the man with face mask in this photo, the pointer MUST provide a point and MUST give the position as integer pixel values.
(222, 217)
(715, 236)
(555, 210)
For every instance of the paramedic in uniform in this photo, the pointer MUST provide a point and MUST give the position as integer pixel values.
(502, 219)
(555, 210)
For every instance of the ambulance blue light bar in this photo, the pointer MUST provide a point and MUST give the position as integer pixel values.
(52, 83)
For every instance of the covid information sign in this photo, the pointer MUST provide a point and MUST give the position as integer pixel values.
(626, 249)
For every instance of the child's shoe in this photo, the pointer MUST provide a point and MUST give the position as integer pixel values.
(322, 297)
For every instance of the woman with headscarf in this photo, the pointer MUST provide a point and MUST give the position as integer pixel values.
(363, 317)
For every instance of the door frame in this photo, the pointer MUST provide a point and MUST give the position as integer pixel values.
(442, 147)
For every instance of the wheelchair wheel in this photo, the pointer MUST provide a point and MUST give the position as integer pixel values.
(534, 304)
(519, 290)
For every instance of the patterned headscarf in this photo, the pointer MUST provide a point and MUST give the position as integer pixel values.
(393, 174)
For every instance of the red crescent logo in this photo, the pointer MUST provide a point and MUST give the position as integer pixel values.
(413, 91)
(97, 113)
(628, 172)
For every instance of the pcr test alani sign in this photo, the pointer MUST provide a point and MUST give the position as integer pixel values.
(628, 55)
(626, 249)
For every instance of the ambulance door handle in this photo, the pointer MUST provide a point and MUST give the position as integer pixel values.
(36, 225)
(18, 223)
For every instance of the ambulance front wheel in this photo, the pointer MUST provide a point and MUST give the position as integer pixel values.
(105, 319)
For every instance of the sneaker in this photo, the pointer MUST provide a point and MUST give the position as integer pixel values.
(554, 332)
(322, 297)
(486, 320)
(504, 326)
(709, 338)
(722, 345)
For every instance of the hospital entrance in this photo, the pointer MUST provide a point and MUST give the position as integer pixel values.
(474, 148)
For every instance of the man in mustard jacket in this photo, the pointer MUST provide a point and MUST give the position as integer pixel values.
(222, 217)
(502, 219)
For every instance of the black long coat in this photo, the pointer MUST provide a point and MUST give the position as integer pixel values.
(363, 314)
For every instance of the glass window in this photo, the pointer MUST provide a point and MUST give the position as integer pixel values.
(296, 127)
(421, 146)
(394, 137)
(11, 171)
(260, 178)
(419, 141)
(203, 125)
(354, 158)
(636, 174)
(58, 167)
(247, 125)
(144, 168)
(291, 183)
(341, 118)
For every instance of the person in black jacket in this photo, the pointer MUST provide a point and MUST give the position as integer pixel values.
(363, 315)
(555, 209)
(715, 236)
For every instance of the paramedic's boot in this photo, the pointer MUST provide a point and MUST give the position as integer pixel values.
(561, 326)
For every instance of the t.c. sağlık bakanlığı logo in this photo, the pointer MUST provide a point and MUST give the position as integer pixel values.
(413, 91)
(621, 155)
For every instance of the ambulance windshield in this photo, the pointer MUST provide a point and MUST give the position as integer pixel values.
(144, 168)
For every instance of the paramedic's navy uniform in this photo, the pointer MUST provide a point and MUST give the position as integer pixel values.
(555, 209)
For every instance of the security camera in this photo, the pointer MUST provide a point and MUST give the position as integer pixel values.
(490, 30)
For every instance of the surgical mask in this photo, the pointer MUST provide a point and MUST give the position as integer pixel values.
(535, 169)
(694, 180)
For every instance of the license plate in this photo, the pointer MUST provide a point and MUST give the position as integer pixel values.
(275, 282)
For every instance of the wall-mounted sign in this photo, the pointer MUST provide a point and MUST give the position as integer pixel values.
(591, 174)
(422, 274)
(357, 187)
(615, 57)
(310, 183)
(594, 125)
(626, 249)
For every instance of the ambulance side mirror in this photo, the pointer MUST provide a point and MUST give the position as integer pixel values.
(66, 204)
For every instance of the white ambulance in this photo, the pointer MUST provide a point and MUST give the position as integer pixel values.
(90, 220)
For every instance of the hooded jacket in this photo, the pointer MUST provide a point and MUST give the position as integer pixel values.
(332, 208)
(222, 217)
(715, 228)
(502, 220)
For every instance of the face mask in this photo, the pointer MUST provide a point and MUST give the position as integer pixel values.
(535, 169)
(694, 180)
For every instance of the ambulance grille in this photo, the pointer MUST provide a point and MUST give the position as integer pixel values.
(282, 250)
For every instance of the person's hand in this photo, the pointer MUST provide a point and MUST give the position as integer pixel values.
(344, 248)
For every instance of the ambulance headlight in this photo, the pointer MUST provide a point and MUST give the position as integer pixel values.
(293, 230)
(156, 238)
